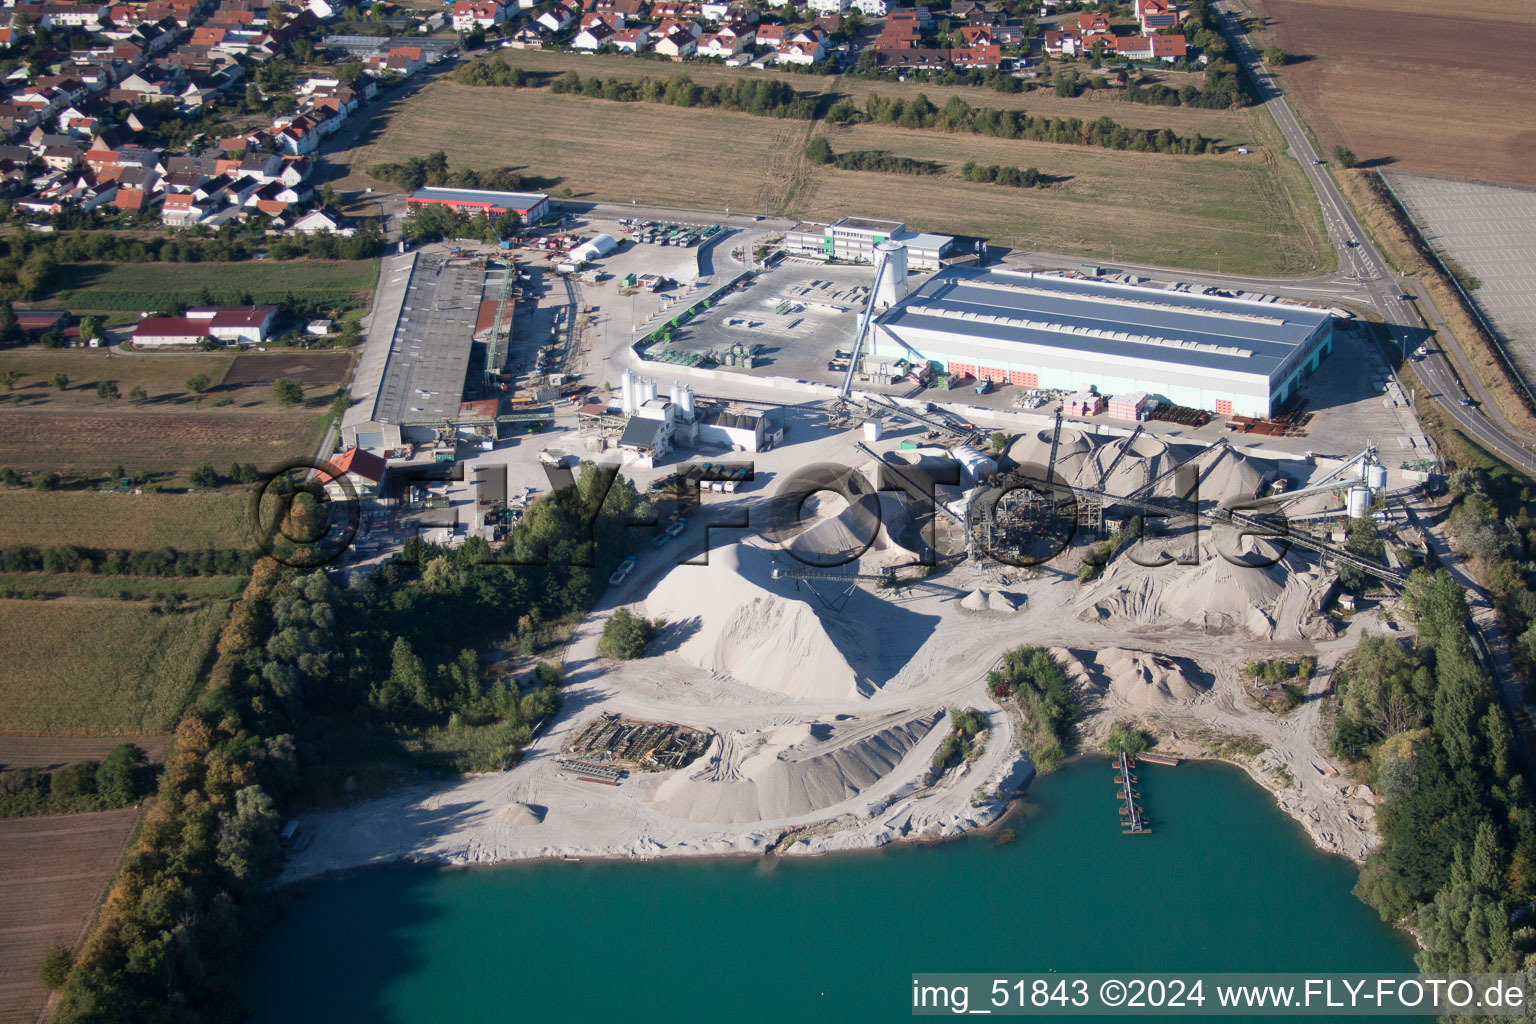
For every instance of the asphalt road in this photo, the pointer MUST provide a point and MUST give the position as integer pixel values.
(1359, 260)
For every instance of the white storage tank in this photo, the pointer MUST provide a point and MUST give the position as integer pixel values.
(1376, 476)
(593, 249)
(687, 402)
(627, 395)
(1359, 503)
(893, 283)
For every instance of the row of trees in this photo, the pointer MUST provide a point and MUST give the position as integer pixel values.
(764, 97)
(1458, 853)
(163, 562)
(819, 151)
(956, 115)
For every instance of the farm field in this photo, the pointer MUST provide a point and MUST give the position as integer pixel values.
(151, 440)
(107, 519)
(174, 429)
(45, 753)
(1241, 214)
(133, 676)
(85, 287)
(1421, 88)
(53, 871)
(1230, 127)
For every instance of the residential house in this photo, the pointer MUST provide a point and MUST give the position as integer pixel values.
(555, 19)
(138, 189)
(1093, 25)
(924, 58)
(88, 16)
(594, 36)
(807, 47)
(1065, 43)
(471, 14)
(613, 21)
(632, 40)
(871, 8)
(771, 36)
(355, 473)
(322, 222)
(628, 8)
(827, 6)
(678, 43)
(1167, 48)
(898, 35)
(1152, 15)
(979, 56)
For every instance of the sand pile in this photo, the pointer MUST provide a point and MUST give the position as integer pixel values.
(732, 622)
(791, 770)
(516, 813)
(1082, 459)
(831, 530)
(1270, 602)
(1136, 679)
(992, 601)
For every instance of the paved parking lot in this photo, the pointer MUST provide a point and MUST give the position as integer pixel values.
(1491, 232)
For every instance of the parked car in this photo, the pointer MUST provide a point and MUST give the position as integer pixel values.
(677, 527)
(622, 572)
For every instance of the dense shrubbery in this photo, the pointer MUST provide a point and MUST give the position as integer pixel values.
(433, 169)
(625, 635)
(959, 744)
(1125, 738)
(1033, 678)
(489, 70)
(1011, 176)
(879, 160)
(116, 781)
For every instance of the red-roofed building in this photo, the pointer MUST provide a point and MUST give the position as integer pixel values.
(1168, 48)
(357, 467)
(245, 325)
(1093, 24)
(1152, 15)
(980, 56)
(169, 332)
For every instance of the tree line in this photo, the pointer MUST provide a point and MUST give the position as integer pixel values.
(1457, 860)
(763, 97)
(31, 263)
(164, 562)
(432, 169)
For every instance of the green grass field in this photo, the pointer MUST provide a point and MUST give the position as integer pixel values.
(146, 286)
(81, 665)
(40, 585)
(97, 519)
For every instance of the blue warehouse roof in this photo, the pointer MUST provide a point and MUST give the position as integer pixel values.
(1109, 320)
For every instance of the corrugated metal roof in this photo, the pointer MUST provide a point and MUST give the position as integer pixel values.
(1109, 319)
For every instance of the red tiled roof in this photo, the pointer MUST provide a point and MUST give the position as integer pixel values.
(357, 462)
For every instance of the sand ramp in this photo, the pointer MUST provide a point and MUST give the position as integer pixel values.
(792, 769)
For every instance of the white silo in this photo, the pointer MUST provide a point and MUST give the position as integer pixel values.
(1376, 476)
(627, 392)
(687, 402)
(676, 394)
(647, 389)
(893, 283)
(1359, 503)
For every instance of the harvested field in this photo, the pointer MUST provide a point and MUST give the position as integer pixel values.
(1230, 127)
(53, 871)
(312, 369)
(107, 519)
(151, 440)
(45, 753)
(1239, 214)
(46, 586)
(78, 665)
(146, 286)
(1425, 89)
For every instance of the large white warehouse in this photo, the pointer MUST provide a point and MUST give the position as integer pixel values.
(1231, 356)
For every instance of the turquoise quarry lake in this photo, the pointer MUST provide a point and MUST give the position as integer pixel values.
(1226, 882)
